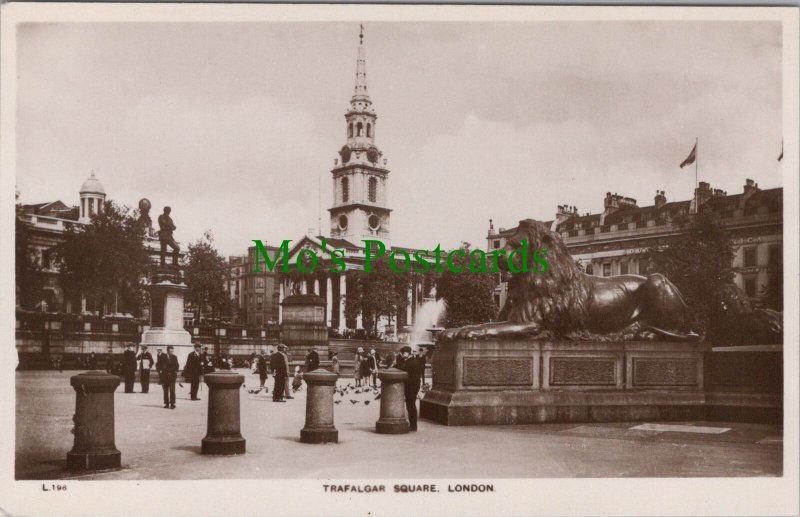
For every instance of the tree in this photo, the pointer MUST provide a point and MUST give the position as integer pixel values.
(468, 295)
(698, 262)
(27, 277)
(206, 274)
(379, 293)
(106, 260)
(773, 290)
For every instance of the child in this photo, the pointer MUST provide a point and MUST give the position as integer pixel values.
(297, 382)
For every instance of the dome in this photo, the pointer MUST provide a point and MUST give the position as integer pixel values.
(92, 186)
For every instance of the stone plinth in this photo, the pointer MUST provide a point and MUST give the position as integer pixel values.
(166, 320)
(477, 382)
(94, 447)
(224, 432)
(303, 324)
(319, 408)
(393, 408)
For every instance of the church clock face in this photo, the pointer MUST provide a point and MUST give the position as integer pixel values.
(342, 222)
(374, 222)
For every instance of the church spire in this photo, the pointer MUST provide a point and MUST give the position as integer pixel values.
(360, 93)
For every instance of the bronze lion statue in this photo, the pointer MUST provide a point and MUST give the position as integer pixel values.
(563, 302)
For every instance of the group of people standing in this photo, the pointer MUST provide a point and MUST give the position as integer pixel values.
(278, 364)
(198, 363)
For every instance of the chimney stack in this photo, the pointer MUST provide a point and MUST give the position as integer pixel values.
(660, 199)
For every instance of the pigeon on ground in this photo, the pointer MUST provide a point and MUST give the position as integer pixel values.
(337, 401)
(378, 397)
(366, 402)
(353, 401)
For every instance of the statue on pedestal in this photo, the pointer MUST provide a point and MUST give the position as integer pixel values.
(563, 302)
(165, 229)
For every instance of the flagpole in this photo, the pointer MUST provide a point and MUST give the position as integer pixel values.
(696, 159)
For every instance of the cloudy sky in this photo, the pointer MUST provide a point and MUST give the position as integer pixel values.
(234, 124)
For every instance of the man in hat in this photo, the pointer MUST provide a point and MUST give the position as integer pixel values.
(129, 367)
(280, 370)
(145, 360)
(411, 365)
(192, 372)
(169, 374)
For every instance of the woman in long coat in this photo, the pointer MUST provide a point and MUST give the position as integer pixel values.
(358, 360)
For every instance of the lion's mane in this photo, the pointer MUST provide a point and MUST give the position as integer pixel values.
(558, 298)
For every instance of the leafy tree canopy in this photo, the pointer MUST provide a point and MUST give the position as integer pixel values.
(468, 295)
(699, 263)
(106, 260)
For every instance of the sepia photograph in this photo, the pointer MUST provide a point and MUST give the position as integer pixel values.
(399, 260)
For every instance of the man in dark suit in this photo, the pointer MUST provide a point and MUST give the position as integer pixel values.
(92, 362)
(280, 370)
(145, 360)
(192, 372)
(161, 358)
(129, 367)
(411, 365)
(312, 360)
(422, 357)
(168, 371)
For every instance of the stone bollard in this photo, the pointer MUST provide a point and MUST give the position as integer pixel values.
(224, 433)
(94, 447)
(319, 408)
(393, 402)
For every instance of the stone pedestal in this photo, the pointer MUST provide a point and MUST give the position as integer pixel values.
(393, 407)
(224, 435)
(94, 447)
(319, 408)
(524, 381)
(166, 320)
(303, 324)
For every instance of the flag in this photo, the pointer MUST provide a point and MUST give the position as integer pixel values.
(691, 158)
(781, 156)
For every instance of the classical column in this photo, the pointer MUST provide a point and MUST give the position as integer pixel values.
(280, 300)
(342, 294)
(409, 313)
(329, 301)
(316, 287)
(304, 286)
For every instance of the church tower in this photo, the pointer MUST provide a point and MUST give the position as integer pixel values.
(360, 175)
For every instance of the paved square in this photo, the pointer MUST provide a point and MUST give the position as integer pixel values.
(158, 443)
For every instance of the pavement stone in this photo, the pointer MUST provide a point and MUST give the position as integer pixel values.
(158, 443)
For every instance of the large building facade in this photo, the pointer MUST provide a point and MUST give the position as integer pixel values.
(616, 241)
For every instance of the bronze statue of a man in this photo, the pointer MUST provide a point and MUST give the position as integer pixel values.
(165, 229)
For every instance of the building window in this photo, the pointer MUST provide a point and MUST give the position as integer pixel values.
(345, 189)
(496, 244)
(359, 129)
(589, 269)
(369, 130)
(259, 302)
(607, 269)
(260, 283)
(749, 257)
(775, 255)
(750, 287)
(373, 189)
(623, 267)
(350, 130)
